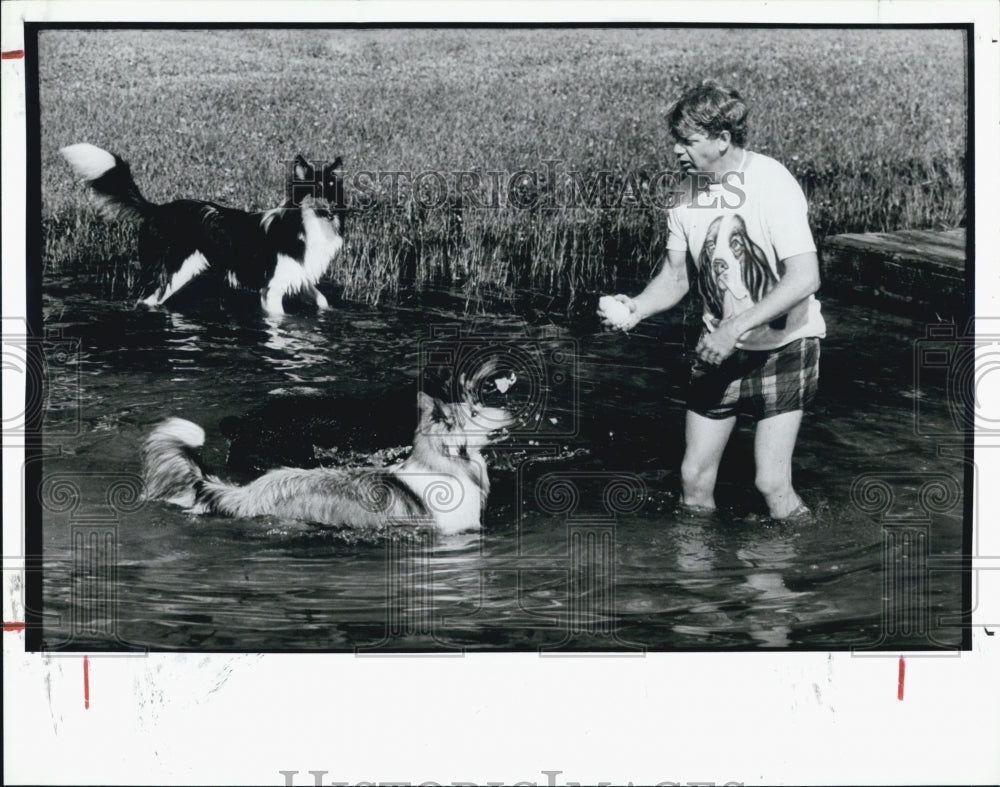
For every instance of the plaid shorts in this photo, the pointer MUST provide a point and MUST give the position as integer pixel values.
(762, 383)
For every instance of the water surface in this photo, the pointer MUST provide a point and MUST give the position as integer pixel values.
(583, 546)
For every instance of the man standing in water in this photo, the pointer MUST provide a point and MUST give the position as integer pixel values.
(742, 218)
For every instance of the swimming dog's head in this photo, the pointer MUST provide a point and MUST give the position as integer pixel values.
(459, 428)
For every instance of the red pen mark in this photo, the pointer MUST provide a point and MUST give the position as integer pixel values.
(13, 54)
(86, 683)
(902, 677)
(17, 625)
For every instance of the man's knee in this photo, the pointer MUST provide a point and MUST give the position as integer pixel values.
(697, 475)
(769, 482)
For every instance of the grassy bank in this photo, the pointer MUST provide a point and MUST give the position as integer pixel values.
(871, 122)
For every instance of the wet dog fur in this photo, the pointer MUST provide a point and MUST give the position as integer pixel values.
(443, 483)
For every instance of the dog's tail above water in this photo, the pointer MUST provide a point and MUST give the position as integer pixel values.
(173, 472)
(110, 178)
(171, 465)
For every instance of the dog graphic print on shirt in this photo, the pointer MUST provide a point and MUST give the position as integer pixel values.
(740, 251)
(733, 273)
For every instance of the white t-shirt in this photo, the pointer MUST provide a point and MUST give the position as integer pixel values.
(737, 233)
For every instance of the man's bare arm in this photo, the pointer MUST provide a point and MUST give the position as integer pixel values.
(664, 291)
(801, 279)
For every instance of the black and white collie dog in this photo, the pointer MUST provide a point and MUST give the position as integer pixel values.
(278, 252)
(443, 483)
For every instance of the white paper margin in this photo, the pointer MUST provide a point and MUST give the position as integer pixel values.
(751, 718)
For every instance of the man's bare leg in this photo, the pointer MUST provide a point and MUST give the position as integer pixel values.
(774, 443)
(706, 440)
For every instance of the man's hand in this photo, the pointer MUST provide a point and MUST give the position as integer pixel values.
(618, 312)
(662, 293)
(718, 345)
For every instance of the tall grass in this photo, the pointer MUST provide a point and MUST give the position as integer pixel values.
(870, 122)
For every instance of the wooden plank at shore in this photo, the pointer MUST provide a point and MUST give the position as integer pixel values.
(913, 240)
(923, 248)
(919, 270)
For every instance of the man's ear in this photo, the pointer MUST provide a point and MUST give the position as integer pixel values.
(724, 141)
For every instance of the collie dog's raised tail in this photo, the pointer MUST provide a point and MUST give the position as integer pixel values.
(110, 178)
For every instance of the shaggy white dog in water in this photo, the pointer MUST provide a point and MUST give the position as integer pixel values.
(443, 482)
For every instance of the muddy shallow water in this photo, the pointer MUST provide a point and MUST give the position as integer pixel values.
(583, 546)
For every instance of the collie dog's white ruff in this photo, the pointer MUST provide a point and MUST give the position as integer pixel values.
(278, 252)
(443, 483)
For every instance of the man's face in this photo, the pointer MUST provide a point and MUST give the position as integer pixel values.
(695, 151)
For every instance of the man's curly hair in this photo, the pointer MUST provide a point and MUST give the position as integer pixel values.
(709, 108)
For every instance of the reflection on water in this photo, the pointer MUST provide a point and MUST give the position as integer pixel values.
(295, 347)
(581, 577)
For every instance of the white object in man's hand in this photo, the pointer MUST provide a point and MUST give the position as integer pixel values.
(616, 311)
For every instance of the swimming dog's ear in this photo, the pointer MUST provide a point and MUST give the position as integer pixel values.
(425, 403)
(432, 409)
(301, 169)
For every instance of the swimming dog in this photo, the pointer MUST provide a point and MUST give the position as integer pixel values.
(276, 252)
(443, 483)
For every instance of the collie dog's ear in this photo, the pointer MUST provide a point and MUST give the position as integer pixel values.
(302, 169)
(336, 169)
(333, 185)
